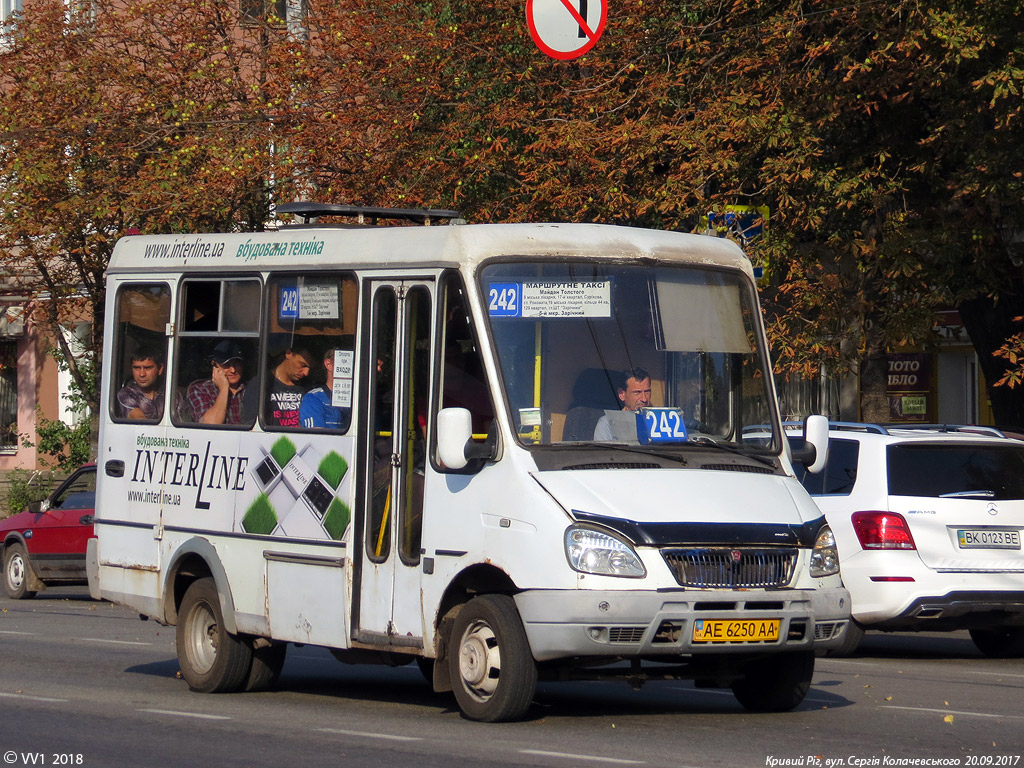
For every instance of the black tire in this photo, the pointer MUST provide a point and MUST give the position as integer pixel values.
(852, 638)
(1000, 642)
(775, 683)
(211, 659)
(17, 571)
(267, 663)
(492, 670)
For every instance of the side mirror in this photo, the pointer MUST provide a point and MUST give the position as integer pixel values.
(454, 430)
(815, 450)
(455, 445)
(37, 507)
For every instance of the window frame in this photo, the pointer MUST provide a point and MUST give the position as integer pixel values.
(121, 355)
(269, 285)
(182, 339)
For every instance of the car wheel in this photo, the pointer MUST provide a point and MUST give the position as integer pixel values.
(492, 669)
(1000, 642)
(211, 659)
(851, 641)
(775, 683)
(16, 572)
(267, 663)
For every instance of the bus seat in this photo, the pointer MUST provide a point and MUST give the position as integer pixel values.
(594, 392)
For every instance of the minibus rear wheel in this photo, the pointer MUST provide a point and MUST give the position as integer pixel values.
(211, 659)
(492, 669)
(776, 682)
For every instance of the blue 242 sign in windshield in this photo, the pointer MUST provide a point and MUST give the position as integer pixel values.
(505, 300)
(660, 425)
(289, 302)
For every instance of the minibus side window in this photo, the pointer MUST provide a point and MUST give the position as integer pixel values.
(310, 351)
(463, 383)
(382, 417)
(138, 382)
(216, 374)
(414, 426)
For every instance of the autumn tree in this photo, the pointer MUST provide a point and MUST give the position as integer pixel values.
(880, 136)
(185, 117)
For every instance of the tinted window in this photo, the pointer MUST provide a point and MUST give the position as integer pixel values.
(79, 493)
(995, 471)
(463, 382)
(841, 467)
(840, 471)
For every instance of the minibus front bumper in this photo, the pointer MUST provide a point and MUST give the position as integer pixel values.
(566, 623)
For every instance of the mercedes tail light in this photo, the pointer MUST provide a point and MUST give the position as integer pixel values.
(882, 530)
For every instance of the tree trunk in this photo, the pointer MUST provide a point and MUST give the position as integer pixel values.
(874, 377)
(874, 398)
(989, 323)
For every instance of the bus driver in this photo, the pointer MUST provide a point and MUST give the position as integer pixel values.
(634, 394)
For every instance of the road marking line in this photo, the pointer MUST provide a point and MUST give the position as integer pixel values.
(569, 756)
(12, 632)
(953, 712)
(198, 715)
(993, 674)
(118, 642)
(847, 663)
(387, 736)
(30, 698)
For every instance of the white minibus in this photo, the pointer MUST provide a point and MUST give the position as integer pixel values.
(511, 453)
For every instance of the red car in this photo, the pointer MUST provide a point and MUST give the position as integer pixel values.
(46, 543)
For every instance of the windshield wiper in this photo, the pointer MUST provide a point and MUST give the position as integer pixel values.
(731, 448)
(640, 450)
(968, 494)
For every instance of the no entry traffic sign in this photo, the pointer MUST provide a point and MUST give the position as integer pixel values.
(565, 29)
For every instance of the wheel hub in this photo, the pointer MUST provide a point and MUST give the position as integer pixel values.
(15, 571)
(202, 648)
(473, 660)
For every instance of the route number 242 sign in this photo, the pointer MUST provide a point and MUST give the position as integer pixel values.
(566, 29)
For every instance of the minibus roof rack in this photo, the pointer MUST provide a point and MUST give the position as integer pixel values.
(365, 215)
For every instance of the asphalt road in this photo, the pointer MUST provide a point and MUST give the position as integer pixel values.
(88, 683)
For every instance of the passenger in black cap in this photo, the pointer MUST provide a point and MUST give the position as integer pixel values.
(218, 400)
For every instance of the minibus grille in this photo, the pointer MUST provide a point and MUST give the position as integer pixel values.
(731, 568)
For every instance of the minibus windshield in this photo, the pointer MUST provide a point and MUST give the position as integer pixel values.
(605, 353)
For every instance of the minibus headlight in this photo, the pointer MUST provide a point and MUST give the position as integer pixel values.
(824, 556)
(590, 551)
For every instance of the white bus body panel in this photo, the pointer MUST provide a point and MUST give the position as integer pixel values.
(187, 489)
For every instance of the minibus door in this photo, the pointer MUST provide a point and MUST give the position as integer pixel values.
(397, 356)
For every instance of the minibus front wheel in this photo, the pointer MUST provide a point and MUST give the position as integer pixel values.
(492, 670)
(775, 682)
(212, 660)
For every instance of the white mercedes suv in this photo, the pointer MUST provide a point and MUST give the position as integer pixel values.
(928, 521)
